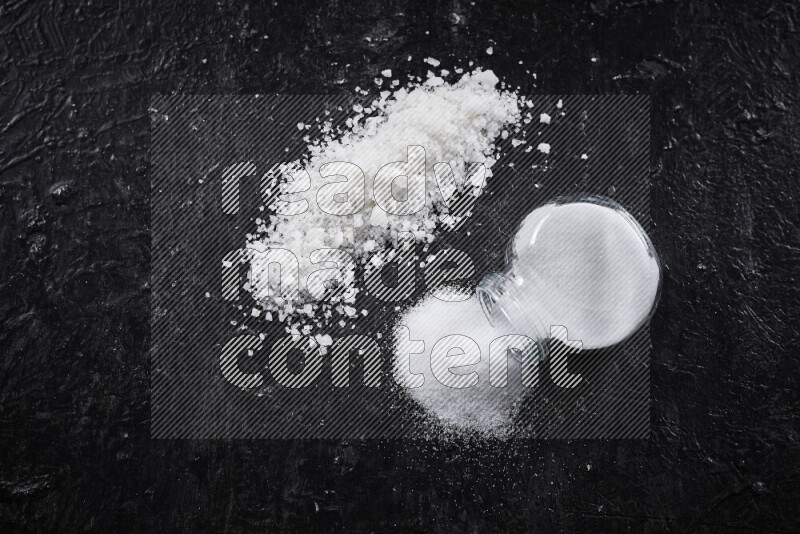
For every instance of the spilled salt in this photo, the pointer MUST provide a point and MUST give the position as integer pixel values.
(456, 123)
(480, 407)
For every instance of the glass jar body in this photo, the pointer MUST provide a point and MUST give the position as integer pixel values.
(583, 263)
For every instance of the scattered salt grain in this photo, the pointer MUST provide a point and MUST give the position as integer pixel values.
(544, 148)
(544, 118)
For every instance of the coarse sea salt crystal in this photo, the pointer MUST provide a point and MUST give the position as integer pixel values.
(323, 340)
(544, 118)
(544, 148)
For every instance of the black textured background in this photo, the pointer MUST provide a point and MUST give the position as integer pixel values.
(75, 456)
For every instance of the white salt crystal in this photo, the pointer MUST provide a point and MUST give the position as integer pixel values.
(490, 50)
(323, 340)
(544, 148)
(387, 73)
(378, 217)
(544, 118)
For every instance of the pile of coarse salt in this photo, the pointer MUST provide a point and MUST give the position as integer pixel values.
(456, 123)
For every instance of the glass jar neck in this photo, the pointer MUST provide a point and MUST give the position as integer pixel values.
(506, 309)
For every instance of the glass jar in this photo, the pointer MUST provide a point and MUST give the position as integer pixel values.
(580, 262)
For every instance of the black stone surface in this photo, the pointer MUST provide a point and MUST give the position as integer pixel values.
(75, 453)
